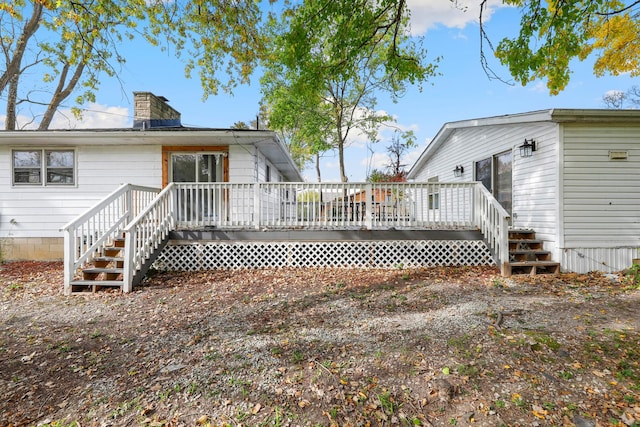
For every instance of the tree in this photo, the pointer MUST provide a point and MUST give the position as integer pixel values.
(79, 43)
(617, 99)
(554, 32)
(401, 142)
(327, 64)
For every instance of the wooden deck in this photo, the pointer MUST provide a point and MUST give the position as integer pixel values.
(299, 224)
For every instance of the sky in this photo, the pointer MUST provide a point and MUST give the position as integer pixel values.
(461, 91)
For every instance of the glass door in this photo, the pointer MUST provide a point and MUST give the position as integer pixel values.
(495, 173)
(198, 204)
(503, 180)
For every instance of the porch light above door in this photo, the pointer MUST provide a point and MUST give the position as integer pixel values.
(527, 149)
(458, 171)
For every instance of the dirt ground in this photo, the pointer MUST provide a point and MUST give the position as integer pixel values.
(432, 347)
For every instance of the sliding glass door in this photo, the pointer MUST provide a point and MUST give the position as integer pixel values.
(495, 173)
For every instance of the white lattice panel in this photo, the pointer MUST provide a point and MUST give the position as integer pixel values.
(374, 254)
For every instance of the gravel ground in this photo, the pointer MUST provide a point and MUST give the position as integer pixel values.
(328, 347)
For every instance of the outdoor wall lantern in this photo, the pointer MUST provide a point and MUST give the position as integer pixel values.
(527, 149)
(458, 171)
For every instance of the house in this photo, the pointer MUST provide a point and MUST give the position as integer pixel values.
(571, 176)
(115, 202)
(48, 178)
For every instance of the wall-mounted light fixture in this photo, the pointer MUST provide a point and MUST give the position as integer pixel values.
(527, 149)
(458, 171)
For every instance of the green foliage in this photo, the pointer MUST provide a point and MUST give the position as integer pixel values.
(73, 45)
(631, 279)
(61, 424)
(554, 33)
(327, 63)
(401, 142)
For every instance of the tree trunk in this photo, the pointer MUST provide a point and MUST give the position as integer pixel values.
(12, 99)
(343, 175)
(13, 66)
(61, 93)
(318, 167)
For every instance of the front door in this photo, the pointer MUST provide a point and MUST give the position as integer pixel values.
(495, 173)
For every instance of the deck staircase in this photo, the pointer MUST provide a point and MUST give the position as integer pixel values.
(105, 270)
(526, 255)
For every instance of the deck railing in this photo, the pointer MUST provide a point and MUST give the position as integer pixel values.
(146, 232)
(100, 225)
(325, 205)
(493, 221)
(145, 217)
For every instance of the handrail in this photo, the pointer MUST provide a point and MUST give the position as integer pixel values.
(493, 221)
(146, 232)
(284, 205)
(85, 235)
(107, 199)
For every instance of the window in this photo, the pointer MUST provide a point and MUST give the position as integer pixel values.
(43, 167)
(434, 195)
(483, 172)
(267, 174)
(196, 167)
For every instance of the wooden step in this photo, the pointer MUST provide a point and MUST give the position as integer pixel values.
(529, 255)
(533, 267)
(105, 261)
(112, 251)
(83, 286)
(524, 244)
(110, 274)
(522, 234)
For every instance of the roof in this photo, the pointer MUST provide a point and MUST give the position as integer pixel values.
(266, 141)
(557, 115)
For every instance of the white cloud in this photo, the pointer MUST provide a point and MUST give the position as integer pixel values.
(614, 93)
(411, 157)
(94, 116)
(538, 87)
(428, 14)
(331, 165)
(375, 161)
(358, 138)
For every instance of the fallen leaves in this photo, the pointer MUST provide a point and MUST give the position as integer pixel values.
(320, 346)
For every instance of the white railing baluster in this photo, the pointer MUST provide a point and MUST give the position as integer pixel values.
(87, 234)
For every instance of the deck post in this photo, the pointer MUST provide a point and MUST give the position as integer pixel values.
(69, 258)
(129, 208)
(369, 196)
(129, 255)
(504, 247)
(257, 206)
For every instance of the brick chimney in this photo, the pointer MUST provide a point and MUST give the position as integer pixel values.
(151, 111)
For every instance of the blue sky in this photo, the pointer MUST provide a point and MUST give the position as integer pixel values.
(463, 91)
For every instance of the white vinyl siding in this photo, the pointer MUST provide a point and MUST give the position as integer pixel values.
(601, 196)
(535, 179)
(28, 211)
(536, 187)
(608, 260)
(241, 164)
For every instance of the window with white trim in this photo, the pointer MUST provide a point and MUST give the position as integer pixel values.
(42, 167)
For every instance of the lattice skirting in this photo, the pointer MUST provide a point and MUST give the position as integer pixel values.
(192, 256)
